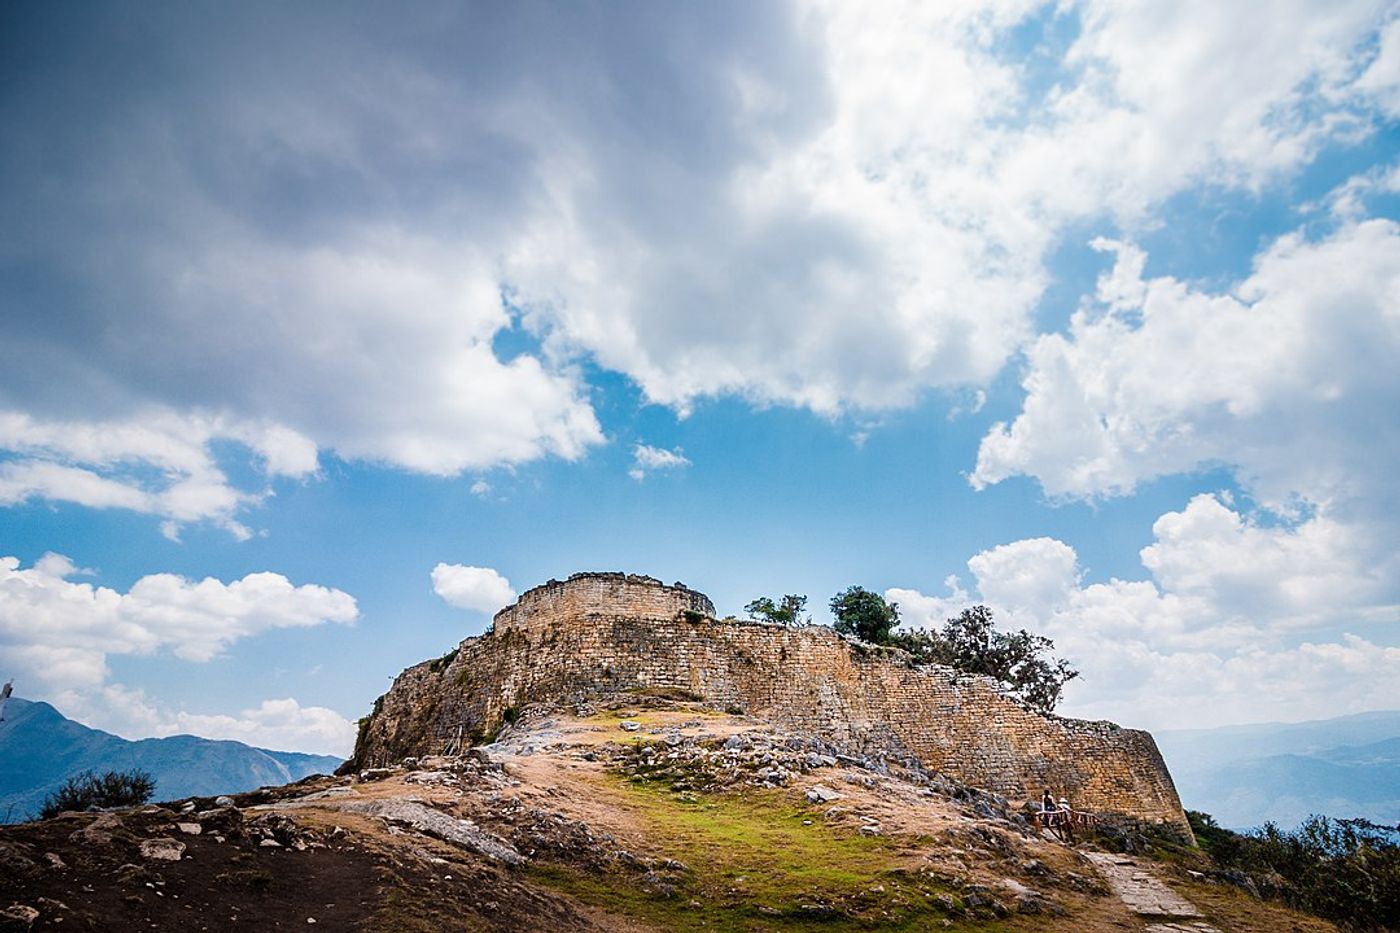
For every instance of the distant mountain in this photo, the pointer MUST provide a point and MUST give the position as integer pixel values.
(40, 749)
(1284, 772)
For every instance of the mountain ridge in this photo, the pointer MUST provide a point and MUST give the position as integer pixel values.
(42, 748)
(1246, 775)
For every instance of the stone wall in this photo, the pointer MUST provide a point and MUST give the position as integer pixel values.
(605, 632)
(583, 593)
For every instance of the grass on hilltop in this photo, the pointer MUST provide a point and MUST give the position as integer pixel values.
(753, 865)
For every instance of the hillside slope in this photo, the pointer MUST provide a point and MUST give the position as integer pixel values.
(41, 748)
(625, 813)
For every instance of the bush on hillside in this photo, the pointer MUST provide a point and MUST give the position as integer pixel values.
(88, 789)
(1346, 871)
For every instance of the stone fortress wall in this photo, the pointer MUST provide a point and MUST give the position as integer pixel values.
(612, 632)
(586, 594)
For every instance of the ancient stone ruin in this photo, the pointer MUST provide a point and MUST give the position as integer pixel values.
(601, 633)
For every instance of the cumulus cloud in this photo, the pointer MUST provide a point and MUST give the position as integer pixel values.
(1288, 378)
(279, 724)
(1382, 77)
(157, 462)
(1236, 618)
(47, 617)
(894, 239)
(647, 459)
(57, 634)
(323, 224)
(1284, 600)
(480, 589)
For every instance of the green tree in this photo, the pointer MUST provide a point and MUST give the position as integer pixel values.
(787, 611)
(1019, 660)
(865, 615)
(88, 789)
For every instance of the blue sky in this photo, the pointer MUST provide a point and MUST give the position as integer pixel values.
(323, 331)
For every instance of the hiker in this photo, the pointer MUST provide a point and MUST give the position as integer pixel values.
(1067, 820)
(1049, 813)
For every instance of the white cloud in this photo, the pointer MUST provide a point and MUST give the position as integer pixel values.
(44, 615)
(647, 459)
(898, 242)
(830, 210)
(1382, 77)
(56, 636)
(1239, 622)
(158, 462)
(385, 345)
(477, 588)
(279, 724)
(1289, 378)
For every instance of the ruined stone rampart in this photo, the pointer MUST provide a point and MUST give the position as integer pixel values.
(586, 594)
(608, 632)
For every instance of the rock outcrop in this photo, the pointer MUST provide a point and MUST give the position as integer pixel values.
(601, 633)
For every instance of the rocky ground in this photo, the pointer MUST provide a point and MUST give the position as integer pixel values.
(633, 813)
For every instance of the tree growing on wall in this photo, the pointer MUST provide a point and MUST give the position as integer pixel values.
(864, 614)
(1020, 661)
(787, 611)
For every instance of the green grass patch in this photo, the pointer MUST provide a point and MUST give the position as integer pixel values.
(611, 717)
(753, 865)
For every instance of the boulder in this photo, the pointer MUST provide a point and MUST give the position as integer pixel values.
(163, 848)
(18, 917)
(220, 820)
(98, 832)
(15, 862)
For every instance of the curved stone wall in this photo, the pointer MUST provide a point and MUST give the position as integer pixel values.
(617, 594)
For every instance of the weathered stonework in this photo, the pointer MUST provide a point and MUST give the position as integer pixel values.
(610, 632)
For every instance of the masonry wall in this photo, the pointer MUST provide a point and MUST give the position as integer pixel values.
(594, 633)
(583, 593)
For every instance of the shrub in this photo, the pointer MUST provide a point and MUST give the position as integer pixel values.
(438, 665)
(1347, 871)
(88, 789)
(787, 611)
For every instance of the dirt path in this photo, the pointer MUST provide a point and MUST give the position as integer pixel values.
(1145, 895)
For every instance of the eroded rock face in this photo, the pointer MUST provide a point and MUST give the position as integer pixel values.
(605, 633)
